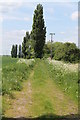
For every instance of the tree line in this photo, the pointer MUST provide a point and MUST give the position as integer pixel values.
(34, 46)
(33, 43)
(15, 52)
(67, 52)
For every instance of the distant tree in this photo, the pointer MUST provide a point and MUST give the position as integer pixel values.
(71, 52)
(47, 50)
(20, 52)
(24, 47)
(68, 52)
(14, 51)
(24, 44)
(30, 49)
(58, 50)
(56, 47)
(38, 32)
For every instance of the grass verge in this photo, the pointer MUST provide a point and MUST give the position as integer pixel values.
(65, 76)
(13, 74)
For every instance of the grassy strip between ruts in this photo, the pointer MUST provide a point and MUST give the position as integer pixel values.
(41, 102)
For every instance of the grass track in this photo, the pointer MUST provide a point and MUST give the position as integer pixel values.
(46, 98)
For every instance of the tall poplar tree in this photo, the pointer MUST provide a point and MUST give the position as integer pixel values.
(38, 32)
(20, 52)
(14, 51)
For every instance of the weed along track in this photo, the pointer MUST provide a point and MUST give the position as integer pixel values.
(22, 102)
(41, 97)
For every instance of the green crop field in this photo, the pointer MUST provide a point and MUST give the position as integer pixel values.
(39, 88)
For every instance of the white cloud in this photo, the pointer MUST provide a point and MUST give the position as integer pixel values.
(74, 15)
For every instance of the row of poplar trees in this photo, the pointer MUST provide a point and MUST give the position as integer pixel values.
(15, 52)
(33, 43)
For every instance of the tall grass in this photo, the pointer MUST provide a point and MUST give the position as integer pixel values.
(65, 76)
(13, 74)
(7, 60)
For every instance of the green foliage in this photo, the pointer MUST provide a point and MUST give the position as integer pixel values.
(58, 48)
(67, 52)
(71, 52)
(47, 48)
(38, 31)
(27, 47)
(24, 44)
(30, 49)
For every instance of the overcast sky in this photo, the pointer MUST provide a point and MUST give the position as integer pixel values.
(17, 17)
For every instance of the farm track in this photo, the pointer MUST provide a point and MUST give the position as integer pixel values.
(40, 96)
